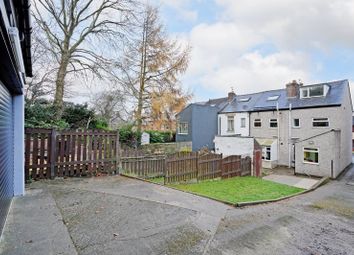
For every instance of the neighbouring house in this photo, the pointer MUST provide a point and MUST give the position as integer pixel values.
(197, 123)
(306, 127)
(15, 57)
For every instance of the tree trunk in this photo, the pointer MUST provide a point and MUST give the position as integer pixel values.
(59, 86)
(142, 79)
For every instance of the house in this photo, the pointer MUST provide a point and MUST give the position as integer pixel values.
(15, 57)
(306, 127)
(198, 122)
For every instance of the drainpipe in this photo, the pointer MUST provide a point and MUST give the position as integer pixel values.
(278, 145)
(289, 138)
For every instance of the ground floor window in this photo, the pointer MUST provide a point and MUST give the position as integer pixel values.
(311, 155)
(266, 153)
(182, 128)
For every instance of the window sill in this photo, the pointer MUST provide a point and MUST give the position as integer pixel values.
(310, 163)
(182, 133)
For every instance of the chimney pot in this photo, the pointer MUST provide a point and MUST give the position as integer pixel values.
(231, 95)
(292, 88)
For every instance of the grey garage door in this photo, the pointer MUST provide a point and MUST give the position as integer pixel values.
(6, 151)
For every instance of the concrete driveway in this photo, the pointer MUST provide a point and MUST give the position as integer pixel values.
(295, 181)
(117, 215)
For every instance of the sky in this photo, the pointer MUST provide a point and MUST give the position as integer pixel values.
(256, 45)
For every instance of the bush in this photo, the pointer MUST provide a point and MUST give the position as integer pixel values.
(161, 136)
(128, 136)
(41, 114)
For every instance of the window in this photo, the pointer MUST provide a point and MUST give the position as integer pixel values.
(311, 155)
(320, 122)
(182, 128)
(273, 123)
(296, 123)
(243, 122)
(266, 153)
(273, 98)
(314, 91)
(230, 123)
(245, 99)
(257, 123)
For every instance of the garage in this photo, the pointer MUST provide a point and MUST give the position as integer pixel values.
(6, 153)
(15, 65)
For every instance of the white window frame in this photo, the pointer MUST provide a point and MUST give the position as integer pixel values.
(254, 122)
(316, 120)
(293, 124)
(265, 149)
(308, 90)
(311, 149)
(243, 123)
(272, 121)
(184, 132)
(229, 118)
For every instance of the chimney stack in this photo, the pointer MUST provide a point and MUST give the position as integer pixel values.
(293, 88)
(231, 95)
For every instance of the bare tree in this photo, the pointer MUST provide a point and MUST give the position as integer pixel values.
(41, 84)
(152, 61)
(80, 35)
(111, 106)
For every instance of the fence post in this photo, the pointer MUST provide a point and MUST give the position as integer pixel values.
(53, 138)
(118, 154)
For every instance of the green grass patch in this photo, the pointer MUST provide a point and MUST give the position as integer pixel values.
(239, 189)
(158, 180)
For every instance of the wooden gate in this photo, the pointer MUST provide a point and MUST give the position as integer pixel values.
(50, 153)
(235, 166)
(209, 166)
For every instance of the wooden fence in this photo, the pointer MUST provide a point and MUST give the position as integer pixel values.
(144, 166)
(50, 153)
(188, 166)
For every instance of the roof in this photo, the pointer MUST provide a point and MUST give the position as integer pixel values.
(259, 101)
(217, 102)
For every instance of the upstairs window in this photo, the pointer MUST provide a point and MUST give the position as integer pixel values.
(273, 123)
(314, 91)
(296, 123)
(320, 122)
(243, 122)
(257, 123)
(230, 123)
(182, 128)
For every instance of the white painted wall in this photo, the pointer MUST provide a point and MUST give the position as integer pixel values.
(237, 124)
(228, 145)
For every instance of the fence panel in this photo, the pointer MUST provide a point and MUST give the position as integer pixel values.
(209, 166)
(152, 166)
(235, 166)
(181, 167)
(50, 153)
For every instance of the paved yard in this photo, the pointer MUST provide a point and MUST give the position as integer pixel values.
(117, 215)
(295, 181)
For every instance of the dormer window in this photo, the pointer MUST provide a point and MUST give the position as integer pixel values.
(314, 91)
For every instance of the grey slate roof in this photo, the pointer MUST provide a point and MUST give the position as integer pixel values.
(259, 102)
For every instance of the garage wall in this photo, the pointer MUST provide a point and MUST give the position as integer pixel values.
(6, 153)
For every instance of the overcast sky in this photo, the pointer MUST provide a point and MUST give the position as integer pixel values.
(255, 45)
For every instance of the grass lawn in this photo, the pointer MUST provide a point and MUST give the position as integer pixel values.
(158, 180)
(239, 189)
